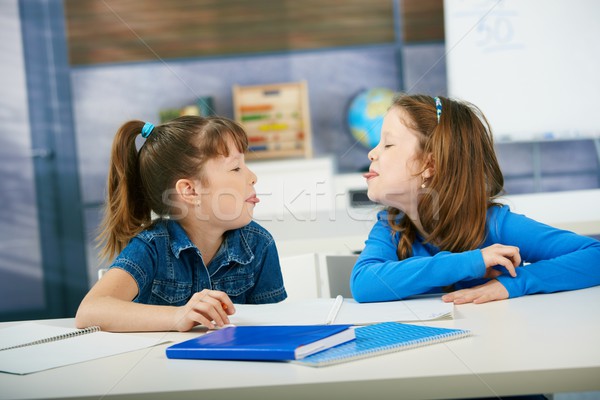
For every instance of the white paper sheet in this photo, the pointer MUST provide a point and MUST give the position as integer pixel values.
(316, 311)
(39, 357)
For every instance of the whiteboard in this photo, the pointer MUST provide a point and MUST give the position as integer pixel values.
(531, 66)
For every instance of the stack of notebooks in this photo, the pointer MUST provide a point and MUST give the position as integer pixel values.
(274, 343)
(311, 345)
(319, 332)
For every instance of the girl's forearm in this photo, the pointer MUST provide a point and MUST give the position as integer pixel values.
(115, 315)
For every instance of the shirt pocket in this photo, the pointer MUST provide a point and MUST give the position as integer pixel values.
(233, 281)
(170, 293)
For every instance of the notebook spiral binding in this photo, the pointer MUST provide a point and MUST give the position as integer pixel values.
(80, 332)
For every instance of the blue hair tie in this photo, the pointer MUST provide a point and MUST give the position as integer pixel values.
(438, 108)
(147, 129)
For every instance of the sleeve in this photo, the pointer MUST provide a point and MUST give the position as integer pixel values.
(378, 275)
(139, 259)
(268, 287)
(554, 259)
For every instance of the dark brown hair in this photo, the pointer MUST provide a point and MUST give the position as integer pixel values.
(139, 180)
(466, 179)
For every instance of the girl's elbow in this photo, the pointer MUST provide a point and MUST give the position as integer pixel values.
(80, 319)
(360, 296)
(360, 289)
(83, 315)
(367, 291)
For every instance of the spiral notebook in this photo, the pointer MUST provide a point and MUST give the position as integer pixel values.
(383, 338)
(32, 347)
(31, 335)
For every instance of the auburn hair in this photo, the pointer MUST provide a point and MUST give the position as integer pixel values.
(467, 178)
(139, 181)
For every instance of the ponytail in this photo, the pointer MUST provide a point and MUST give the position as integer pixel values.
(126, 211)
(407, 231)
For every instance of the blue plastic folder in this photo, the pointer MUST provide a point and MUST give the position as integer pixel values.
(274, 343)
(382, 338)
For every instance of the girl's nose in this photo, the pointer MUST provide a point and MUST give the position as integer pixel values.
(371, 155)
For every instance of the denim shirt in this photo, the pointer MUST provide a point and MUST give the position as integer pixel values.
(168, 267)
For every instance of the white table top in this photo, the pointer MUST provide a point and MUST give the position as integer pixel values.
(534, 344)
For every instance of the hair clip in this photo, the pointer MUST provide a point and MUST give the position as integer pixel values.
(438, 108)
(147, 129)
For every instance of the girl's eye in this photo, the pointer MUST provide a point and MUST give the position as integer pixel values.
(236, 169)
(387, 146)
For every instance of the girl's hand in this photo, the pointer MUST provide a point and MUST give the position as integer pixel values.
(489, 291)
(499, 254)
(208, 307)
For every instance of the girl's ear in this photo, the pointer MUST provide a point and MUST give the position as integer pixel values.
(428, 167)
(188, 190)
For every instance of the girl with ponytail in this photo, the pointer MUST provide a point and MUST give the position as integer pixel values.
(178, 218)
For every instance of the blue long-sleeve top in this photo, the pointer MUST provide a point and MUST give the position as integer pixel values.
(552, 260)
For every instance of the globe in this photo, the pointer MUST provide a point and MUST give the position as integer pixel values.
(366, 112)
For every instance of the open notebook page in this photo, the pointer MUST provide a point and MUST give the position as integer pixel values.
(288, 312)
(316, 311)
(413, 310)
(39, 357)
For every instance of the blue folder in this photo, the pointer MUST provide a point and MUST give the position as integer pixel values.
(262, 342)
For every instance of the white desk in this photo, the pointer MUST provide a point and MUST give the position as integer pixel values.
(535, 344)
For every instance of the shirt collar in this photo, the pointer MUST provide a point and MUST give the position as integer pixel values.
(235, 245)
(179, 239)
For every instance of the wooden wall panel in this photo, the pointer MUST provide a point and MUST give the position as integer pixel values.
(423, 21)
(108, 31)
